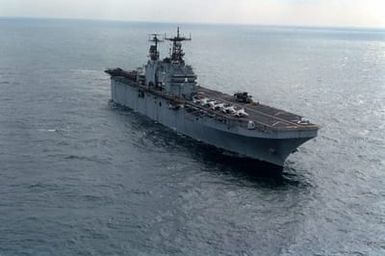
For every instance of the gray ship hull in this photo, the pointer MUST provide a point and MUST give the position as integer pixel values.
(272, 147)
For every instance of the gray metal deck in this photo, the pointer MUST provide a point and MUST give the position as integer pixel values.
(262, 114)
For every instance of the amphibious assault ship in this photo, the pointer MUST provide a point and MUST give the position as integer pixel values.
(166, 90)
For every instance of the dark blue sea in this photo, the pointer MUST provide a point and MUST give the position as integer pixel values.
(80, 176)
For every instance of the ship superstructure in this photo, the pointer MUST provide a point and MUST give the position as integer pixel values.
(166, 91)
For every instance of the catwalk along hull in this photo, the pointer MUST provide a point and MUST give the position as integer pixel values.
(269, 146)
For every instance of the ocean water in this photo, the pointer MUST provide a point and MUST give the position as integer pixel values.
(80, 176)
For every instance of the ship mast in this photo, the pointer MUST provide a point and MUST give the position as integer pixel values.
(154, 53)
(177, 53)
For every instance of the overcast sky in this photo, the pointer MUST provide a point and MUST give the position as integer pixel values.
(360, 13)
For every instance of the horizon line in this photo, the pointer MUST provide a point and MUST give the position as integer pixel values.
(212, 23)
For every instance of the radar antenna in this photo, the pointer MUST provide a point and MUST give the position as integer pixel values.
(177, 52)
(154, 53)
